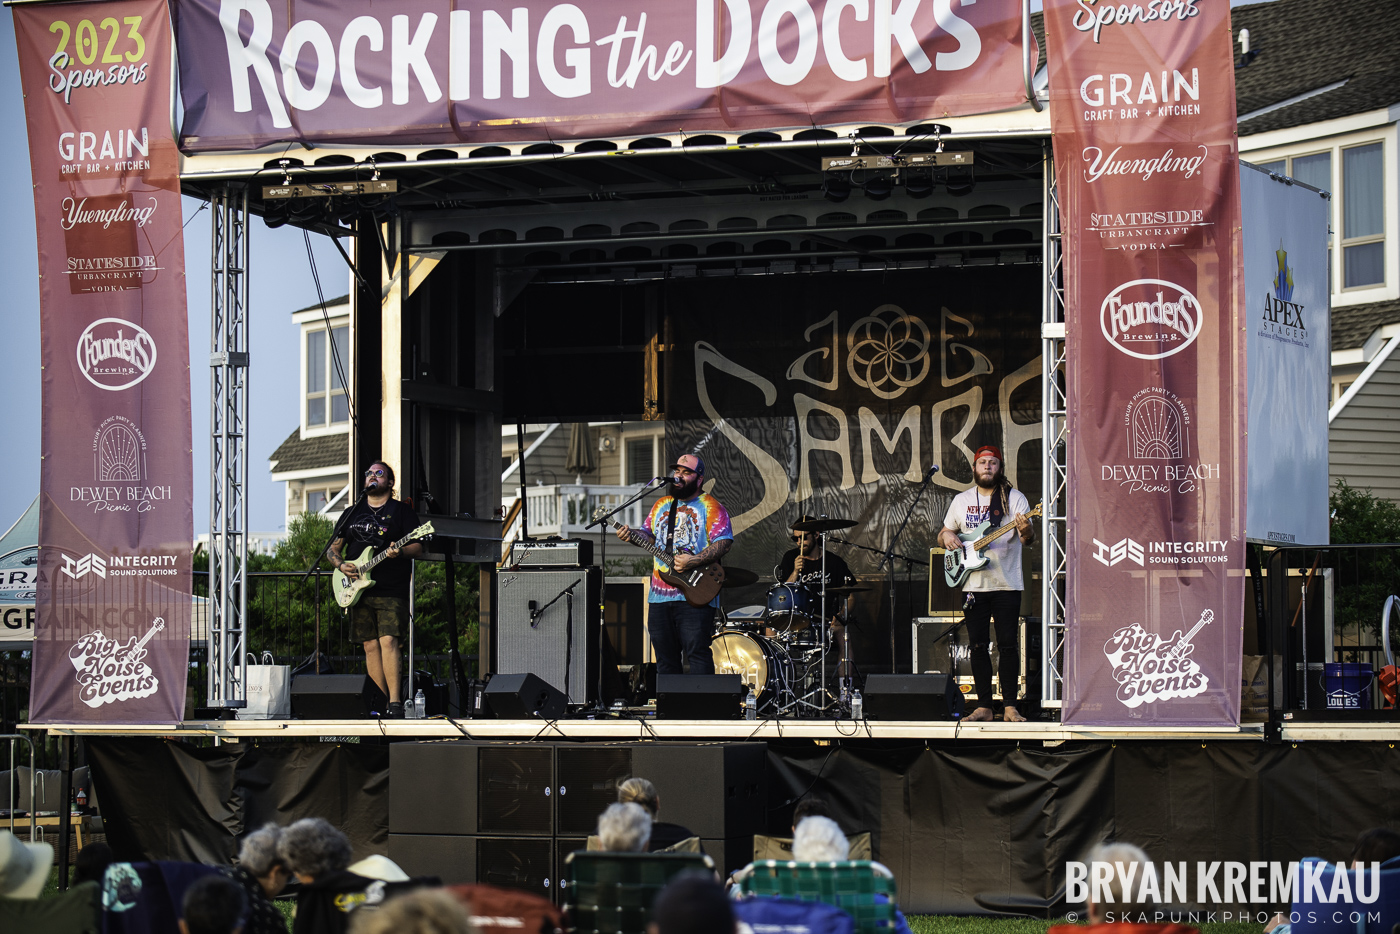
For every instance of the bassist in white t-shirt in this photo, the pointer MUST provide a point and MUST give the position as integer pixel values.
(992, 593)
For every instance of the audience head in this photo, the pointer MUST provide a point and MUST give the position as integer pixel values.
(24, 867)
(1128, 855)
(92, 862)
(810, 806)
(426, 911)
(692, 903)
(819, 840)
(1375, 846)
(311, 848)
(258, 855)
(639, 791)
(214, 904)
(624, 828)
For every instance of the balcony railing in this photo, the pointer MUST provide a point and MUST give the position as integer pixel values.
(564, 509)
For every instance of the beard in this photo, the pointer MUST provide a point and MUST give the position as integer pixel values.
(688, 489)
(989, 483)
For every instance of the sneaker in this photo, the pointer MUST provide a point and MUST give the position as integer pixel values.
(395, 710)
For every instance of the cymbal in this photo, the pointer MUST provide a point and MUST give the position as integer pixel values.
(823, 525)
(739, 577)
(847, 589)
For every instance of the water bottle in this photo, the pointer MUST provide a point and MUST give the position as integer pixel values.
(751, 705)
(420, 705)
(857, 706)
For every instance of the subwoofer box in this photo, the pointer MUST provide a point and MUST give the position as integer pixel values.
(335, 697)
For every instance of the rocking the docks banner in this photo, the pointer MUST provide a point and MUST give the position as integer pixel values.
(112, 636)
(1143, 108)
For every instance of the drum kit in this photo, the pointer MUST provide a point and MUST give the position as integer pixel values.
(781, 649)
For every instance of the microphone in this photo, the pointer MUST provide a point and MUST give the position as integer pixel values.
(928, 474)
(675, 481)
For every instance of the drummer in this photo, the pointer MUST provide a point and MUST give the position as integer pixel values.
(803, 565)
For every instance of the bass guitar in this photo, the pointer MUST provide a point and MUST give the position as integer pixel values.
(959, 563)
(698, 585)
(1179, 646)
(348, 591)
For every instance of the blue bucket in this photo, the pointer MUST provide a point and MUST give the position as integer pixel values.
(1348, 685)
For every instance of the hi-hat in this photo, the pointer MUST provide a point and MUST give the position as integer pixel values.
(739, 577)
(823, 525)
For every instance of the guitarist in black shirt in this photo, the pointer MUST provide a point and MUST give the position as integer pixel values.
(380, 616)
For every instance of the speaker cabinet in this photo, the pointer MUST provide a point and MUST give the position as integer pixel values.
(449, 857)
(516, 787)
(525, 696)
(335, 697)
(912, 697)
(717, 791)
(588, 780)
(700, 697)
(445, 774)
(537, 630)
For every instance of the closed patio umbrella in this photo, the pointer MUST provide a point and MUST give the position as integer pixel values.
(581, 459)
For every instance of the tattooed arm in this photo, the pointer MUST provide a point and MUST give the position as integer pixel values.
(709, 556)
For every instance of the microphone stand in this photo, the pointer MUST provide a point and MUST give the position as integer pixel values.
(330, 541)
(890, 554)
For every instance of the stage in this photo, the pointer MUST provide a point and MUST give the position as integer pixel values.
(641, 730)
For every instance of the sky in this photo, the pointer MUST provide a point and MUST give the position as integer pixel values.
(280, 282)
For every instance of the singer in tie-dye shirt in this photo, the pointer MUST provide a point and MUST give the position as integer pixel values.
(680, 633)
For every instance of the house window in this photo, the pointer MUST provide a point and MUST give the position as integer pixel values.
(641, 466)
(1316, 170)
(1363, 218)
(1278, 168)
(316, 500)
(325, 391)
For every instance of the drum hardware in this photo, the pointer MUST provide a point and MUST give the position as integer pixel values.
(739, 577)
(824, 524)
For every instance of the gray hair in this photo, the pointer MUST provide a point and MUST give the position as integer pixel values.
(639, 791)
(1128, 855)
(819, 840)
(313, 847)
(624, 828)
(426, 911)
(258, 854)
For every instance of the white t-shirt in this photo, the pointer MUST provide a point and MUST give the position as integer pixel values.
(966, 512)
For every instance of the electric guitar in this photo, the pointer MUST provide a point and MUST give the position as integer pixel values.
(1179, 646)
(959, 563)
(348, 591)
(135, 650)
(698, 585)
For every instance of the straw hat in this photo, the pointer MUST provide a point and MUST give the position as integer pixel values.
(24, 867)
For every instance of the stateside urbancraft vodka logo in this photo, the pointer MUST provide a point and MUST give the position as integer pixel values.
(115, 354)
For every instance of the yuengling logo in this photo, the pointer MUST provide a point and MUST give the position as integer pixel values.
(115, 354)
(1150, 318)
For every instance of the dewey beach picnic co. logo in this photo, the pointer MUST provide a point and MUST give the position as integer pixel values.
(1149, 668)
(111, 671)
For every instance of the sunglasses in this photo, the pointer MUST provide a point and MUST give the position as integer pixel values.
(375, 472)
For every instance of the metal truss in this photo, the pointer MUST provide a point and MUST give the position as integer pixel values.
(1054, 478)
(228, 461)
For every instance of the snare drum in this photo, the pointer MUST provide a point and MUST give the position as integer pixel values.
(791, 607)
(762, 664)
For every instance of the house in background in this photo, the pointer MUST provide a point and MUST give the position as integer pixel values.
(1319, 101)
(314, 461)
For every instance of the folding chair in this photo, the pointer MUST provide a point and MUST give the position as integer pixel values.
(865, 890)
(612, 893)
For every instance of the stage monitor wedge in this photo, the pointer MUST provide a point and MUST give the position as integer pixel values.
(700, 697)
(523, 696)
(912, 697)
(335, 697)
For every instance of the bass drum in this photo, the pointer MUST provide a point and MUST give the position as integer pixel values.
(763, 664)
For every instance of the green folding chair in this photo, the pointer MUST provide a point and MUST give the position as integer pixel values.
(853, 886)
(611, 893)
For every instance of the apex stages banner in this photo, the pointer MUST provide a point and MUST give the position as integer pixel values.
(1143, 107)
(254, 72)
(1290, 358)
(832, 394)
(111, 640)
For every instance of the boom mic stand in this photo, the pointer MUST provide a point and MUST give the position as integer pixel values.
(890, 555)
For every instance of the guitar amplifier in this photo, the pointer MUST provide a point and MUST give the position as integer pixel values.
(556, 553)
(942, 599)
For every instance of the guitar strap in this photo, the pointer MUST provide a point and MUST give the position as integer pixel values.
(671, 526)
(996, 508)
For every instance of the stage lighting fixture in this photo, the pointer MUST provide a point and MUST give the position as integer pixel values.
(836, 189)
(879, 188)
(918, 184)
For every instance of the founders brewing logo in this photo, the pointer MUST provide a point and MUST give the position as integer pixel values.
(1149, 668)
(1150, 318)
(111, 671)
(115, 354)
(1283, 318)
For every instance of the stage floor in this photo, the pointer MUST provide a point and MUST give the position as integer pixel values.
(632, 730)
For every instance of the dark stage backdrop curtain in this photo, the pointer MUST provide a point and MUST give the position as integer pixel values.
(967, 829)
(168, 800)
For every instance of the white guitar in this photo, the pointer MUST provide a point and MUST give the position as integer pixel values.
(959, 563)
(348, 591)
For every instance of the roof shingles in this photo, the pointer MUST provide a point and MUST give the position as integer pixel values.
(297, 453)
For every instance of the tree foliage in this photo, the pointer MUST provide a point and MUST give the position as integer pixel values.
(1366, 577)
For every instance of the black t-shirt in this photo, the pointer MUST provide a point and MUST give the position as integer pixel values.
(838, 573)
(378, 529)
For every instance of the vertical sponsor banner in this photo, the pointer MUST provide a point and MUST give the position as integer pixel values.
(1290, 358)
(1143, 109)
(112, 635)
